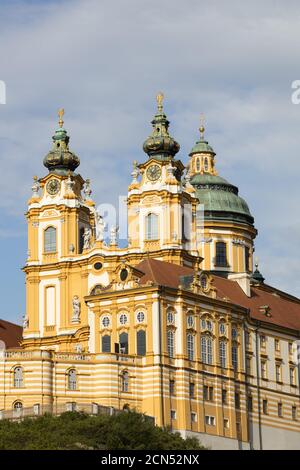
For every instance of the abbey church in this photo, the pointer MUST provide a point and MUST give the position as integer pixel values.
(179, 324)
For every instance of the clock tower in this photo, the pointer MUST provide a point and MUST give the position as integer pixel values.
(161, 204)
(61, 219)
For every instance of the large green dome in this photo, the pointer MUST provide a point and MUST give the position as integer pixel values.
(220, 198)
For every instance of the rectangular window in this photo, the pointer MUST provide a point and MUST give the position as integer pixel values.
(210, 420)
(106, 344)
(170, 340)
(290, 348)
(247, 259)
(192, 390)
(248, 339)
(292, 376)
(50, 306)
(152, 227)
(278, 372)
(250, 403)
(173, 414)
(294, 413)
(221, 256)
(263, 341)
(222, 351)
(237, 401)
(277, 345)
(265, 407)
(280, 410)
(190, 346)
(263, 366)
(208, 393)
(234, 357)
(193, 417)
(172, 387)
(50, 240)
(226, 423)
(224, 396)
(248, 365)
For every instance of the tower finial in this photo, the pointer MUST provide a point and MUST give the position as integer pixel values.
(159, 99)
(202, 128)
(61, 112)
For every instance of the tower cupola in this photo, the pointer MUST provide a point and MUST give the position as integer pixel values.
(160, 145)
(60, 160)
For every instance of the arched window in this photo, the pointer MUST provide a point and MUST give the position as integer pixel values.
(18, 406)
(141, 342)
(50, 240)
(152, 227)
(18, 377)
(72, 379)
(123, 340)
(198, 164)
(206, 350)
(205, 164)
(221, 256)
(190, 346)
(222, 353)
(106, 344)
(125, 382)
(170, 342)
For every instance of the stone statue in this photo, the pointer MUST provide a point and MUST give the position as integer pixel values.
(87, 190)
(35, 187)
(87, 238)
(25, 322)
(100, 227)
(76, 309)
(113, 235)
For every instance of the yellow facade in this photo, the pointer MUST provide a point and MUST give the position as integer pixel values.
(97, 332)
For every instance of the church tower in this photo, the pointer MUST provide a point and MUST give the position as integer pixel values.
(60, 228)
(225, 226)
(161, 206)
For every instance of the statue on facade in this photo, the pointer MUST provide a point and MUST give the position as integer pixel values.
(87, 238)
(25, 322)
(113, 234)
(76, 309)
(100, 227)
(35, 187)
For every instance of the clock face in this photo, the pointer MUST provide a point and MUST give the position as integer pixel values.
(53, 187)
(153, 172)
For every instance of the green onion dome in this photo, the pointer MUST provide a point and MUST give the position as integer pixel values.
(60, 159)
(160, 144)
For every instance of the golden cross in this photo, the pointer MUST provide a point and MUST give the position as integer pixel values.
(159, 99)
(202, 128)
(61, 112)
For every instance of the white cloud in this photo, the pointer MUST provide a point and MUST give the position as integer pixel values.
(105, 61)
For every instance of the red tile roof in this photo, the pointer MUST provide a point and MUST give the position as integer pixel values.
(10, 334)
(284, 311)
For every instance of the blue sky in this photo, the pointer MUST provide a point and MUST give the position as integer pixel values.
(104, 63)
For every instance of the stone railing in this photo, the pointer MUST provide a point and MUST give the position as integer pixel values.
(20, 354)
(58, 409)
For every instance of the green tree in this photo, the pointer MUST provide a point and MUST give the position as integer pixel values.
(71, 430)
